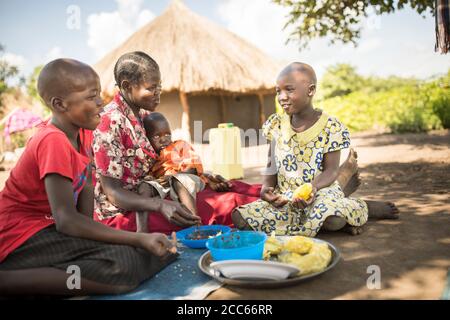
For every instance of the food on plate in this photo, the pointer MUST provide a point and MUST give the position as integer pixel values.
(304, 253)
(272, 246)
(299, 244)
(314, 261)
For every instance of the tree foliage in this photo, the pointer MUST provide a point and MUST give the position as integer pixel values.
(31, 82)
(340, 20)
(342, 79)
(394, 103)
(7, 71)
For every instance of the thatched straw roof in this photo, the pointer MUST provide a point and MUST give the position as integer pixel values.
(195, 55)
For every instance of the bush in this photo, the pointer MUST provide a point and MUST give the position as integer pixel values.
(440, 99)
(413, 107)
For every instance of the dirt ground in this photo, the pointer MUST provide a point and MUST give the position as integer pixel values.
(413, 253)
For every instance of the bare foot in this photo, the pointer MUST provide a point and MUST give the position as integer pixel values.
(352, 185)
(354, 231)
(382, 210)
(348, 169)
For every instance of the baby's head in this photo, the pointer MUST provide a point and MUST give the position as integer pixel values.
(296, 86)
(158, 131)
(71, 89)
(139, 80)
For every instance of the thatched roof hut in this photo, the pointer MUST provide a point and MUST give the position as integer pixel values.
(208, 73)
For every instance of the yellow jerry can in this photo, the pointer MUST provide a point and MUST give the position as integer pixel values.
(225, 145)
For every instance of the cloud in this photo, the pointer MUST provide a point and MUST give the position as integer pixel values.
(259, 22)
(107, 30)
(14, 59)
(53, 53)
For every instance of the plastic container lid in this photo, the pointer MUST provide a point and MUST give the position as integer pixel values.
(226, 125)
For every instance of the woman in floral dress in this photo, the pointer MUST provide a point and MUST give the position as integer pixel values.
(124, 158)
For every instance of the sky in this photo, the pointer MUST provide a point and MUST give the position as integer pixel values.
(35, 32)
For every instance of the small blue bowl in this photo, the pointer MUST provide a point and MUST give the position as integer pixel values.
(183, 235)
(237, 245)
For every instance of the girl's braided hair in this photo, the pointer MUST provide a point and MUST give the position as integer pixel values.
(135, 67)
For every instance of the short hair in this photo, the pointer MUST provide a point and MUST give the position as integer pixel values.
(60, 77)
(300, 67)
(154, 117)
(134, 67)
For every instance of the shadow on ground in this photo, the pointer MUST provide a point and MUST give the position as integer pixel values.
(413, 253)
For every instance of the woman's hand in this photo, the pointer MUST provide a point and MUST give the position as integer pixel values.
(176, 213)
(218, 183)
(277, 200)
(302, 204)
(157, 243)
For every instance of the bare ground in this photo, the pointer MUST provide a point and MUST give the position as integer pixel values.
(413, 253)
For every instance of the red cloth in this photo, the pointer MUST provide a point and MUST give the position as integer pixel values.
(19, 120)
(24, 206)
(213, 208)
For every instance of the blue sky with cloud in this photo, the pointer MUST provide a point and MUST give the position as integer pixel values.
(35, 32)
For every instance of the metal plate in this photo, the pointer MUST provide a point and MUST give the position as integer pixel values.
(205, 261)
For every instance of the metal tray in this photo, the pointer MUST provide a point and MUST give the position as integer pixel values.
(205, 261)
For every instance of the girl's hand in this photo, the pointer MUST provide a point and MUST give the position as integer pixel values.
(277, 200)
(218, 183)
(302, 204)
(176, 213)
(157, 243)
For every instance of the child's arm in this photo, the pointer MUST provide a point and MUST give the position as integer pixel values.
(71, 222)
(330, 170)
(270, 181)
(131, 201)
(86, 199)
(217, 183)
(326, 178)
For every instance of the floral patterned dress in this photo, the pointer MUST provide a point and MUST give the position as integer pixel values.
(121, 151)
(298, 160)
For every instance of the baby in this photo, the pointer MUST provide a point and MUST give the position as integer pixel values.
(178, 171)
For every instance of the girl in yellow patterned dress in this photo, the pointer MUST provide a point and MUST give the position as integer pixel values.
(305, 148)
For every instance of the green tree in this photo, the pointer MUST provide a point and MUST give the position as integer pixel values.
(340, 80)
(31, 86)
(7, 71)
(31, 83)
(340, 20)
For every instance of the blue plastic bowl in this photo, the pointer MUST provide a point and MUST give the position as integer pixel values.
(237, 246)
(182, 235)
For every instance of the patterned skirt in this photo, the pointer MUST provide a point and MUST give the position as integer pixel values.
(287, 220)
(97, 261)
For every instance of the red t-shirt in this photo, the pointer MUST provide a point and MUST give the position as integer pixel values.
(24, 206)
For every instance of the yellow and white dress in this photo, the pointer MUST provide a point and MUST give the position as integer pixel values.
(298, 160)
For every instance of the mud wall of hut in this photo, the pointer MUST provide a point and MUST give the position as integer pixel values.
(242, 110)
